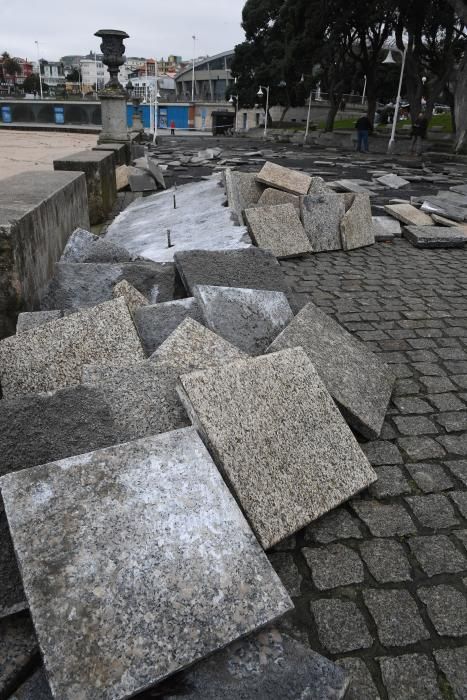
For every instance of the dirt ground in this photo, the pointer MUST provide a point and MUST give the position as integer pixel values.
(33, 150)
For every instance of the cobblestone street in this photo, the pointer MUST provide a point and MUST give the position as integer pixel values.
(380, 584)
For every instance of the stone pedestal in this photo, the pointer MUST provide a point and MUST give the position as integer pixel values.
(114, 117)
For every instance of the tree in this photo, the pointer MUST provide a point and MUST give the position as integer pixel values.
(74, 76)
(32, 83)
(460, 97)
(11, 66)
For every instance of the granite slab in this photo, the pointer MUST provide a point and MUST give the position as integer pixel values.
(357, 224)
(156, 322)
(242, 191)
(140, 180)
(142, 397)
(318, 186)
(31, 319)
(134, 299)
(460, 189)
(437, 205)
(456, 198)
(322, 215)
(250, 319)
(157, 173)
(75, 285)
(12, 597)
(271, 196)
(35, 688)
(248, 269)
(286, 179)
(278, 228)
(386, 226)
(263, 666)
(18, 651)
(408, 214)
(50, 357)
(435, 236)
(130, 580)
(354, 186)
(85, 247)
(193, 346)
(393, 181)
(357, 380)
(279, 440)
(443, 221)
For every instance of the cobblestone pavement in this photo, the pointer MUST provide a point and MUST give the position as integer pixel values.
(380, 584)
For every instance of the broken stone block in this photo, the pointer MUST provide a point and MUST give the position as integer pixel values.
(443, 221)
(155, 542)
(121, 177)
(249, 269)
(385, 228)
(134, 299)
(266, 665)
(271, 197)
(242, 191)
(350, 186)
(279, 440)
(278, 228)
(285, 179)
(31, 319)
(12, 598)
(437, 205)
(156, 322)
(35, 688)
(322, 215)
(318, 186)
(140, 180)
(18, 648)
(456, 198)
(248, 318)
(357, 224)
(142, 397)
(408, 214)
(393, 181)
(357, 380)
(85, 247)
(156, 172)
(51, 356)
(435, 236)
(75, 285)
(193, 346)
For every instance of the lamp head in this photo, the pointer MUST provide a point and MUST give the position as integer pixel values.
(389, 58)
(260, 92)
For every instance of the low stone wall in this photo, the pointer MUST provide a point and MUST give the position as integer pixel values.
(38, 212)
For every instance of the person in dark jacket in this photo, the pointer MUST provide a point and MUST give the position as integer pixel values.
(364, 128)
(419, 129)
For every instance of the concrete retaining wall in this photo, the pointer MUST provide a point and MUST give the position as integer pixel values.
(38, 212)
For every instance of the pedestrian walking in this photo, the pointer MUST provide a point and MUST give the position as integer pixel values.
(364, 128)
(419, 129)
(172, 128)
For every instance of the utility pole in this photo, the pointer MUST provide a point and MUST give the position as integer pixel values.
(39, 68)
(193, 71)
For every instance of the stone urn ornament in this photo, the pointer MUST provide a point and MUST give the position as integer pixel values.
(113, 50)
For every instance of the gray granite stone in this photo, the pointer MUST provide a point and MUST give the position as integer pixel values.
(318, 186)
(454, 421)
(417, 448)
(287, 570)
(453, 663)
(384, 519)
(51, 356)
(263, 666)
(12, 598)
(271, 197)
(393, 181)
(156, 542)
(142, 398)
(396, 616)
(141, 180)
(248, 269)
(357, 225)
(322, 215)
(456, 198)
(286, 179)
(346, 185)
(248, 318)
(192, 346)
(385, 228)
(358, 381)
(31, 319)
(408, 214)
(35, 688)
(242, 191)
(361, 685)
(435, 236)
(410, 677)
(460, 499)
(446, 608)
(75, 285)
(133, 298)
(438, 205)
(391, 482)
(430, 477)
(333, 566)
(18, 649)
(156, 322)
(437, 554)
(156, 172)
(338, 525)
(278, 229)
(459, 469)
(279, 440)
(433, 510)
(381, 452)
(386, 560)
(85, 247)
(341, 625)
(456, 444)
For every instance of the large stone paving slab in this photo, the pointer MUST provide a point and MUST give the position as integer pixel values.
(242, 191)
(247, 318)
(157, 321)
(75, 285)
(435, 236)
(322, 215)
(357, 224)
(130, 580)
(286, 179)
(408, 214)
(271, 197)
(83, 246)
(279, 440)
(247, 269)
(358, 381)
(264, 666)
(193, 346)
(51, 356)
(278, 228)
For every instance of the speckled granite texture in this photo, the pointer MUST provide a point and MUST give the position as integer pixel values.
(31, 319)
(265, 666)
(357, 224)
(408, 214)
(278, 228)
(250, 319)
(142, 398)
(35, 688)
(193, 346)
(355, 377)
(75, 285)
(271, 197)
(322, 215)
(242, 191)
(435, 236)
(50, 357)
(281, 178)
(85, 247)
(12, 598)
(278, 438)
(156, 322)
(18, 650)
(147, 564)
(133, 298)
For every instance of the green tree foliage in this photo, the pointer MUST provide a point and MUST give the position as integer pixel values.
(31, 83)
(73, 76)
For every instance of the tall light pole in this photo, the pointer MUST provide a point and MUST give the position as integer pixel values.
(234, 101)
(193, 70)
(389, 59)
(364, 91)
(260, 93)
(39, 69)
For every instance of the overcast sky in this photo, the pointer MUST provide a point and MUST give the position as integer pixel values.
(156, 27)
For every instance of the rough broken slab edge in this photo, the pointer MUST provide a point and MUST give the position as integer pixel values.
(294, 214)
(268, 183)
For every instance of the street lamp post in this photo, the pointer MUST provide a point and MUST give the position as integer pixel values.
(389, 59)
(39, 68)
(260, 93)
(193, 70)
(234, 100)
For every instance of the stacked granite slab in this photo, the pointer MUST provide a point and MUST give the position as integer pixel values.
(435, 236)
(242, 191)
(278, 228)
(322, 215)
(85, 247)
(286, 179)
(156, 322)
